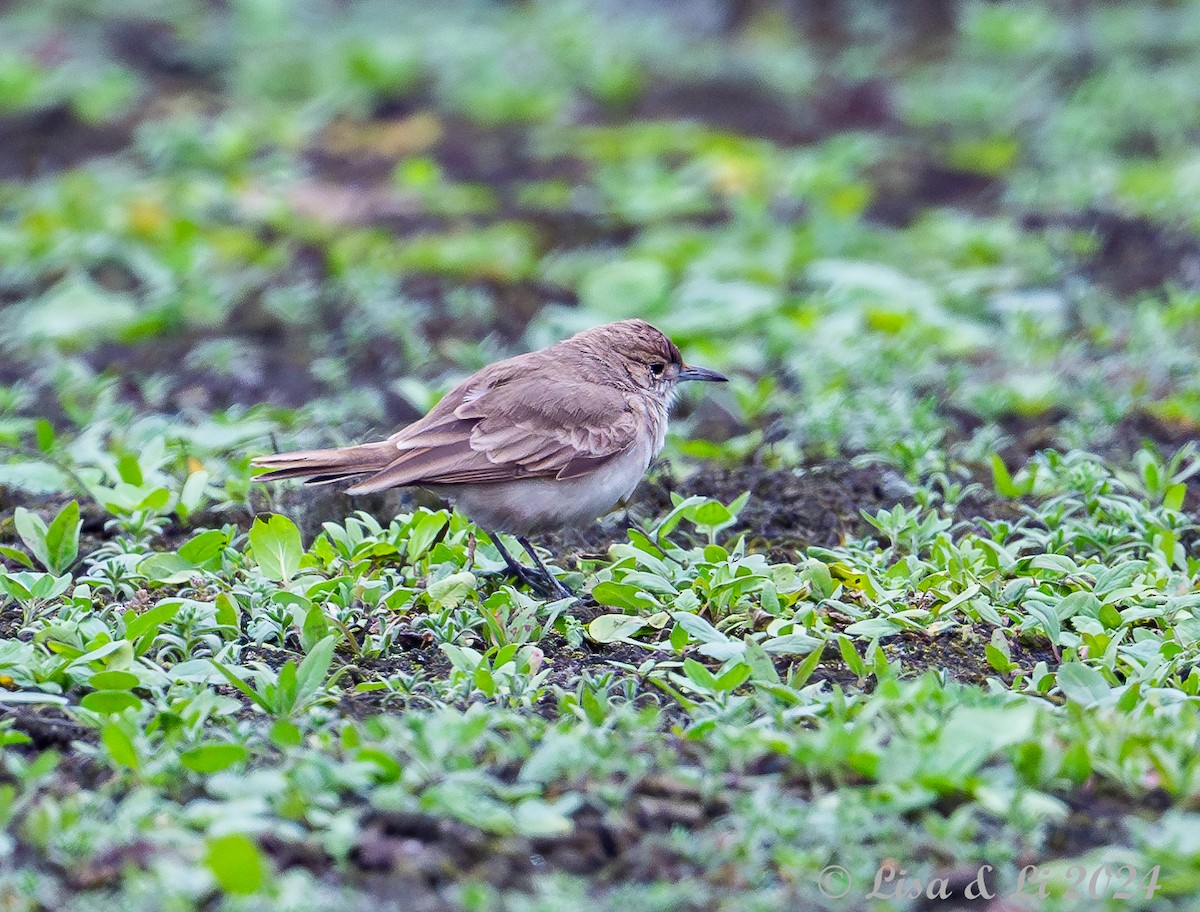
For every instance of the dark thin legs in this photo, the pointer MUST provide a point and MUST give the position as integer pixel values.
(514, 566)
(540, 580)
(559, 589)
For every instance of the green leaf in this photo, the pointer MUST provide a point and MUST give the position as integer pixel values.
(536, 817)
(236, 863)
(32, 532)
(286, 734)
(113, 680)
(738, 503)
(1076, 764)
(502, 655)
(32, 696)
(873, 628)
(389, 769)
(155, 501)
(138, 624)
(792, 644)
(108, 702)
(711, 515)
(17, 585)
(291, 600)
(47, 586)
(315, 627)
(762, 669)
(44, 432)
(62, 538)
(1133, 694)
(672, 519)
(167, 568)
(698, 628)
(800, 676)
(310, 676)
(130, 471)
(202, 548)
(484, 680)
(1078, 603)
(277, 547)
(1004, 483)
(426, 527)
(452, 590)
(191, 495)
(592, 707)
(283, 696)
(699, 675)
(1001, 479)
(17, 556)
(851, 657)
(1048, 618)
(1054, 563)
(1174, 496)
(116, 654)
(734, 678)
(679, 638)
(120, 745)
(463, 658)
(227, 611)
(611, 628)
(997, 659)
(212, 758)
(248, 691)
(623, 595)
(1082, 684)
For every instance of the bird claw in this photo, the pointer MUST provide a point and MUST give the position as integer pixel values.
(544, 584)
(554, 587)
(539, 579)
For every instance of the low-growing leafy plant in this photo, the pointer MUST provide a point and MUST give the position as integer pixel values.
(55, 545)
(293, 688)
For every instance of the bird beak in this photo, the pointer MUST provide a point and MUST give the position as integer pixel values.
(701, 373)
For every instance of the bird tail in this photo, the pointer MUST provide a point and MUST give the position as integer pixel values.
(324, 466)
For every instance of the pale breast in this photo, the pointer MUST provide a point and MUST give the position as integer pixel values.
(531, 505)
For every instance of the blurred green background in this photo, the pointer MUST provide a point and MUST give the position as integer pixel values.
(972, 223)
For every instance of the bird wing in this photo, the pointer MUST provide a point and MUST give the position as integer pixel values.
(499, 427)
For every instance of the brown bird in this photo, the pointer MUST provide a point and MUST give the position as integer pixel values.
(546, 440)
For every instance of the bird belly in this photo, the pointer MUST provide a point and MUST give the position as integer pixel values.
(529, 505)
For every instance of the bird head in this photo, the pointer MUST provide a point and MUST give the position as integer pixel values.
(644, 357)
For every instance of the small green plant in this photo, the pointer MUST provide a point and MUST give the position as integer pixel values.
(54, 546)
(293, 689)
(34, 592)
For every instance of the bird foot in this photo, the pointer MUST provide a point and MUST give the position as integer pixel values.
(549, 585)
(541, 582)
(539, 579)
(544, 584)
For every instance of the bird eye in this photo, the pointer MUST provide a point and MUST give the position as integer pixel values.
(657, 368)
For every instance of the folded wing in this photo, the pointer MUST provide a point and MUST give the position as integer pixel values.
(500, 427)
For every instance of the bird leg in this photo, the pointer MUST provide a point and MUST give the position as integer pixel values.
(555, 585)
(514, 566)
(540, 580)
